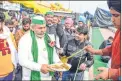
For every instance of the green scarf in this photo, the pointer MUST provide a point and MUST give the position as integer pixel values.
(35, 75)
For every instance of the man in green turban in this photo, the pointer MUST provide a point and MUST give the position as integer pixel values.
(35, 52)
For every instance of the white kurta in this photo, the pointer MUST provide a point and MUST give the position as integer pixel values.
(26, 59)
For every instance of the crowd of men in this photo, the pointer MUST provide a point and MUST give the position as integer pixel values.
(29, 46)
(33, 50)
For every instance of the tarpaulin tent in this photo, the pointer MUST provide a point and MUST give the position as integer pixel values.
(44, 3)
(102, 18)
(26, 9)
(89, 16)
(58, 7)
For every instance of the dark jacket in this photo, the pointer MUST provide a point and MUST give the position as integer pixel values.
(105, 44)
(61, 34)
(74, 45)
(69, 35)
(51, 29)
(59, 31)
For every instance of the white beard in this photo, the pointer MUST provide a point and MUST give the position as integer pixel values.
(39, 36)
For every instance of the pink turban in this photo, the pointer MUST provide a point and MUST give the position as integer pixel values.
(69, 21)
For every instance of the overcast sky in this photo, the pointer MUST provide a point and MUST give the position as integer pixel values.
(82, 6)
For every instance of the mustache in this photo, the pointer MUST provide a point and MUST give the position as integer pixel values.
(49, 20)
(41, 33)
(26, 29)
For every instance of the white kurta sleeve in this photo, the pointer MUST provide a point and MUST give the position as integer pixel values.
(24, 48)
(56, 57)
(57, 41)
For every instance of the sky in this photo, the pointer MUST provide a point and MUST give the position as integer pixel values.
(82, 6)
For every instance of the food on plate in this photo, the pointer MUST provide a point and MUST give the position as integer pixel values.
(60, 66)
(65, 66)
(57, 66)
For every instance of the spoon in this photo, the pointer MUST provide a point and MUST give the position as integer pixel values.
(64, 59)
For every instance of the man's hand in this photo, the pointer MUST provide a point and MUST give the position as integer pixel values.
(89, 49)
(104, 74)
(60, 50)
(82, 66)
(45, 68)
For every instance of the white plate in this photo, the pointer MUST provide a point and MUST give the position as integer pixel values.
(60, 69)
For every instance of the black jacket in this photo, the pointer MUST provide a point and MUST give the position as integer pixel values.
(51, 29)
(105, 44)
(61, 35)
(74, 45)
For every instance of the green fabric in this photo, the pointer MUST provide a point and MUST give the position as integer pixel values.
(41, 22)
(49, 13)
(35, 75)
(7, 16)
(97, 39)
(49, 50)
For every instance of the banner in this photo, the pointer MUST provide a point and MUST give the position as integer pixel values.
(10, 6)
(33, 4)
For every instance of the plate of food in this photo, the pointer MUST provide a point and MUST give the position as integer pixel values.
(60, 67)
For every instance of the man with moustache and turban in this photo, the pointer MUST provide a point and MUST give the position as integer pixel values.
(36, 52)
(114, 49)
